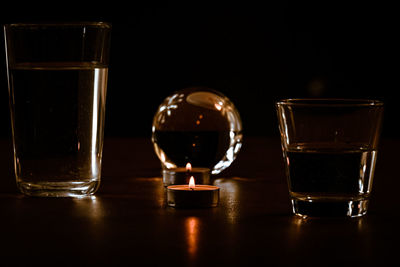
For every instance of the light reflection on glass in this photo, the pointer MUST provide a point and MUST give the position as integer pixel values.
(218, 106)
(95, 123)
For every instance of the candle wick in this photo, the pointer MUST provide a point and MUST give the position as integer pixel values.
(192, 188)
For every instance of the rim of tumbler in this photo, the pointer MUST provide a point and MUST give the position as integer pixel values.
(100, 24)
(329, 102)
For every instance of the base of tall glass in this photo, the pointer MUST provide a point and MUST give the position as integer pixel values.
(59, 189)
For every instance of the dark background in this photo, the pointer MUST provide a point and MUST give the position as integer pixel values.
(254, 54)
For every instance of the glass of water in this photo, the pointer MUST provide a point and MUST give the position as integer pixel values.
(57, 79)
(330, 150)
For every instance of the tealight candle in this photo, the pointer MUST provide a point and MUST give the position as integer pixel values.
(181, 175)
(192, 195)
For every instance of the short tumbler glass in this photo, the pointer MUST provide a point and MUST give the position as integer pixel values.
(57, 80)
(330, 150)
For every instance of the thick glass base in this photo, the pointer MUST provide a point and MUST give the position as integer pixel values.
(59, 189)
(321, 208)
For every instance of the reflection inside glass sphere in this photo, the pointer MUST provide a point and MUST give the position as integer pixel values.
(197, 125)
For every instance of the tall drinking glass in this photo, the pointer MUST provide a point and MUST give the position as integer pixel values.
(330, 150)
(57, 79)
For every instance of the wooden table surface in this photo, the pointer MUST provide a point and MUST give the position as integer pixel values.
(128, 223)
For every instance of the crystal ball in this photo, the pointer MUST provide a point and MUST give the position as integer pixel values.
(199, 126)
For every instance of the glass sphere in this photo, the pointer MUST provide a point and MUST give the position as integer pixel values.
(199, 126)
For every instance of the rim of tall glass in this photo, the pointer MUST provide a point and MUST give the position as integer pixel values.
(99, 24)
(329, 102)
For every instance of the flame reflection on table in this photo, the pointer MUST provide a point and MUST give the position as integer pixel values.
(192, 234)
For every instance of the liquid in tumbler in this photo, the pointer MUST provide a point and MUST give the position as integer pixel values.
(340, 176)
(57, 116)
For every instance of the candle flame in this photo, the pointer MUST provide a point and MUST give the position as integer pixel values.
(188, 167)
(192, 185)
